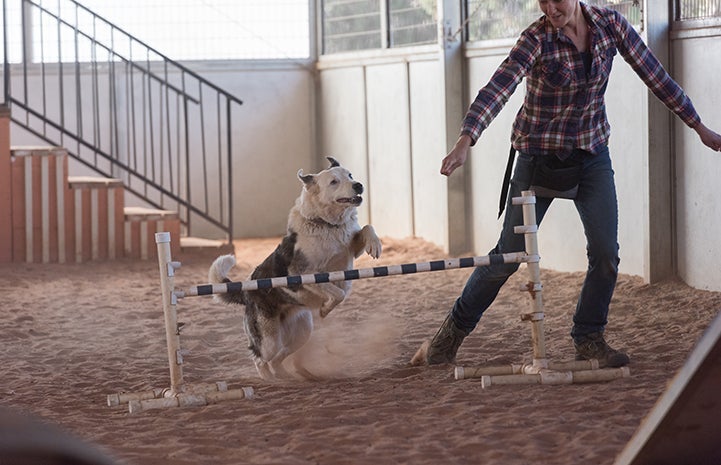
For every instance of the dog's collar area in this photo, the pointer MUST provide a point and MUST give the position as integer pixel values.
(322, 222)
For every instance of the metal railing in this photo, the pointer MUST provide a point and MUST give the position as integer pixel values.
(121, 108)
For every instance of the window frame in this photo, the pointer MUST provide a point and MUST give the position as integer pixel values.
(385, 31)
(690, 28)
(468, 12)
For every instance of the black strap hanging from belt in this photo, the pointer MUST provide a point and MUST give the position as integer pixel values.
(506, 181)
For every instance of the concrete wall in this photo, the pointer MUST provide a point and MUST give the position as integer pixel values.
(697, 68)
(275, 127)
(277, 133)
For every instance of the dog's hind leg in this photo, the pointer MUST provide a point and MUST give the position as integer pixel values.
(295, 332)
(264, 370)
(269, 362)
(272, 368)
(276, 365)
(298, 361)
(304, 373)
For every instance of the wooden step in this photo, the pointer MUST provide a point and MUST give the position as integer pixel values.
(57, 218)
(48, 216)
(6, 199)
(202, 246)
(41, 222)
(142, 223)
(98, 217)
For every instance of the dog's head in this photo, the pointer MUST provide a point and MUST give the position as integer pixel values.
(330, 193)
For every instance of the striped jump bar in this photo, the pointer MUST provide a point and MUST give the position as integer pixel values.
(362, 273)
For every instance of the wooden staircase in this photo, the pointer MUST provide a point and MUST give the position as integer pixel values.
(47, 216)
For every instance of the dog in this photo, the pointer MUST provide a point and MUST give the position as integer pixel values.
(323, 235)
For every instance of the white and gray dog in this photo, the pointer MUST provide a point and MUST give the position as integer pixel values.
(323, 235)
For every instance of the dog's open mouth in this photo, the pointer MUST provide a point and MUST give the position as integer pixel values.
(356, 200)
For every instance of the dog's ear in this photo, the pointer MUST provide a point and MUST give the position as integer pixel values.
(333, 162)
(307, 179)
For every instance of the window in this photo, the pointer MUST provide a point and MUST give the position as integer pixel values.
(350, 25)
(179, 29)
(500, 19)
(697, 9)
(214, 29)
(412, 22)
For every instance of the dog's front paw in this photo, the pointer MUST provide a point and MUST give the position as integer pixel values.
(373, 246)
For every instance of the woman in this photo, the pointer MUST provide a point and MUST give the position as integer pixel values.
(566, 58)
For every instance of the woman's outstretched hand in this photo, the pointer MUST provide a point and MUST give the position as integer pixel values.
(457, 156)
(710, 139)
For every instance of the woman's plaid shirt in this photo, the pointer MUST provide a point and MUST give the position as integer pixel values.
(564, 107)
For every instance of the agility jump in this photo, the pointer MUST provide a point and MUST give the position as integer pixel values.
(178, 394)
(540, 371)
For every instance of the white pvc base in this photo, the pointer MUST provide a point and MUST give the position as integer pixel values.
(573, 373)
(192, 396)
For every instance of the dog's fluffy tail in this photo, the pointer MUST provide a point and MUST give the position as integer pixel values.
(218, 273)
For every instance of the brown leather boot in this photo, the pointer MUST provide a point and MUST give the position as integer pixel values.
(443, 347)
(594, 346)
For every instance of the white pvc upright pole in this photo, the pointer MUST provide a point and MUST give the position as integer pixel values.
(172, 336)
(535, 316)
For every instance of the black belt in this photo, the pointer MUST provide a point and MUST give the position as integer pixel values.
(506, 181)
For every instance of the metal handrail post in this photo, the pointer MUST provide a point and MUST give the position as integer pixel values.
(6, 61)
(229, 132)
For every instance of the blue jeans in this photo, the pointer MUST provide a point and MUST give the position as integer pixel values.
(598, 209)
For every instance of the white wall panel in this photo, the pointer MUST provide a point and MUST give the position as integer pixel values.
(698, 169)
(276, 138)
(389, 150)
(626, 100)
(428, 149)
(343, 116)
(487, 159)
